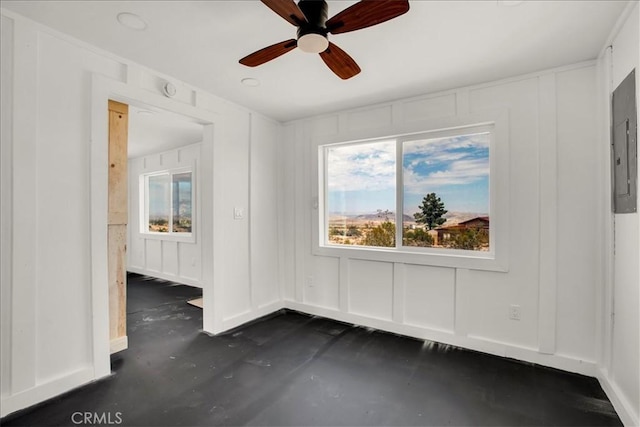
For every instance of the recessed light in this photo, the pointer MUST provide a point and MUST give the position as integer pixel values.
(251, 82)
(132, 21)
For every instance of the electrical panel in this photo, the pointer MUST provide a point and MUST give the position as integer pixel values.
(624, 132)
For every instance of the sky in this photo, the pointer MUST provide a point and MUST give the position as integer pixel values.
(361, 177)
(160, 194)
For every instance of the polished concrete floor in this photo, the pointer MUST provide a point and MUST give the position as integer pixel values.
(290, 369)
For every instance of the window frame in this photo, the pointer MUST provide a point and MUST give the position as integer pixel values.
(496, 259)
(144, 206)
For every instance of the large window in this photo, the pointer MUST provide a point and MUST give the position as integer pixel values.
(168, 202)
(426, 193)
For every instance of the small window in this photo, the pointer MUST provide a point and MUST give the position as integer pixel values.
(168, 202)
(424, 193)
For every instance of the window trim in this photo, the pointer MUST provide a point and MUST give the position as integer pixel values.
(144, 206)
(496, 259)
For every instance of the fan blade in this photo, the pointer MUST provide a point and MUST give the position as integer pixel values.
(365, 14)
(288, 9)
(268, 53)
(340, 63)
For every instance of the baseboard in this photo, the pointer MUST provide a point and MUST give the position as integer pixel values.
(169, 277)
(241, 319)
(47, 390)
(118, 344)
(475, 343)
(620, 403)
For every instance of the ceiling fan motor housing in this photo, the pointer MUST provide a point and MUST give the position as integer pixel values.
(316, 12)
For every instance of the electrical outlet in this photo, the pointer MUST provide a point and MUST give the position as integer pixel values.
(310, 281)
(514, 312)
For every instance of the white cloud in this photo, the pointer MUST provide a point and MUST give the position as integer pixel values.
(372, 166)
(460, 172)
(440, 146)
(362, 167)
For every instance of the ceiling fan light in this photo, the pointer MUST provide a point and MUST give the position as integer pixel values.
(313, 43)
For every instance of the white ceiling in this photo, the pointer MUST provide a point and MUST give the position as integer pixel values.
(437, 45)
(155, 130)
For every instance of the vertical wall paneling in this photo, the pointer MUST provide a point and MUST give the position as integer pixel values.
(399, 275)
(344, 284)
(288, 209)
(281, 194)
(234, 166)
(263, 213)
(309, 204)
(419, 109)
(6, 195)
(462, 309)
(577, 160)
(548, 176)
(301, 210)
(253, 297)
(429, 297)
(25, 240)
(371, 289)
(624, 310)
(322, 286)
(117, 219)
(368, 118)
(208, 187)
(605, 216)
(172, 258)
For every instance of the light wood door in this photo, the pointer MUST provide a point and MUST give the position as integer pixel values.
(117, 224)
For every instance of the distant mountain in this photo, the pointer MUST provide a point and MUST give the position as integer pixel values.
(368, 217)
(451, 217)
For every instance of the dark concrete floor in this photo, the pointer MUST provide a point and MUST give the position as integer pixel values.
(291, 369)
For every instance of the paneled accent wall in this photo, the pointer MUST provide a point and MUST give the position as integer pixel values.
(551, 122)
(164, 256)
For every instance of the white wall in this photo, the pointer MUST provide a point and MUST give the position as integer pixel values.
(551, 214)
(50, 136)
(620, 297)
(6, 157)
(160, 256)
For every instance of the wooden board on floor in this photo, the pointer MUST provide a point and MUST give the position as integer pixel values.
(196, 302)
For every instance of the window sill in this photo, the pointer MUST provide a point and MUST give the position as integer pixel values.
(470, 260)
(181, 238)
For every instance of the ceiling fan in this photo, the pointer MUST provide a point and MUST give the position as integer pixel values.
(310, 16)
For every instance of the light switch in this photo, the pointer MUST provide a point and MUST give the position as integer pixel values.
(238, 213)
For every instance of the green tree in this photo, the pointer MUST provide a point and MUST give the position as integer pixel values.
(431, 211)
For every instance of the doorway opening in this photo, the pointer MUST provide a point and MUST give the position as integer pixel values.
(158, 219)
(104, 89)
